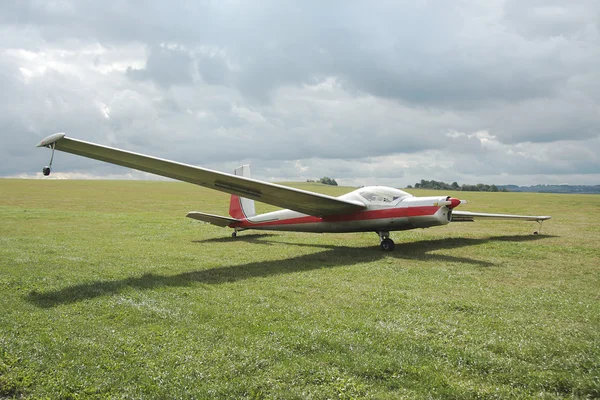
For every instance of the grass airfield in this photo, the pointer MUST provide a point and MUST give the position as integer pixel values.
(108, 291)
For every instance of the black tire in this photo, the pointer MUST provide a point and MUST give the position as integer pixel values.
(233, 234)
(387, 244)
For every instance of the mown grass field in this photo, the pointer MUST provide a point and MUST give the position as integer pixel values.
(107, 291)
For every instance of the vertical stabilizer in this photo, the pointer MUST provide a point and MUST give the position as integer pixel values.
(240, 207)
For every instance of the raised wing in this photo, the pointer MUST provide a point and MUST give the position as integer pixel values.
(212, 219)
(460, 216)
(282, 196)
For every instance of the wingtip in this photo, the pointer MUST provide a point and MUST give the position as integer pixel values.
(51, 139)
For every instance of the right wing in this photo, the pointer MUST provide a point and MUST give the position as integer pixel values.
(298, 200)
(461, 216)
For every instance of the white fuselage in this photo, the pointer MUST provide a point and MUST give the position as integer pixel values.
(387, 210)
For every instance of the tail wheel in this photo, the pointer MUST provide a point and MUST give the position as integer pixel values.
(387, 244)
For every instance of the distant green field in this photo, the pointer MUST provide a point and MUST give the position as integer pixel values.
(108, 291)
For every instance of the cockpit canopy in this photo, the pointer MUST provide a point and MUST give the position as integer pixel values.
(378, 195)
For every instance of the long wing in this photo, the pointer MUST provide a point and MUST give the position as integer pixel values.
(282, 196)
(460, 216)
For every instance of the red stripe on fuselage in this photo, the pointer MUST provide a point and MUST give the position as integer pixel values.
(358, 216)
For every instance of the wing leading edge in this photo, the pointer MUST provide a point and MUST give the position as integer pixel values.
(460, 216)
(281, 196)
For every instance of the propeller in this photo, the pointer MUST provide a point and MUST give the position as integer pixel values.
(452, 202)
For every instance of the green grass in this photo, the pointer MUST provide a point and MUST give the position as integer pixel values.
(107, 291)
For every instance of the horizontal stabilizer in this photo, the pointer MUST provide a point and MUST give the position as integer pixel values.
(212, 219)
(460, 216)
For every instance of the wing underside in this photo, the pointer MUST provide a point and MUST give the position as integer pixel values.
(463, 216)
(281, 196)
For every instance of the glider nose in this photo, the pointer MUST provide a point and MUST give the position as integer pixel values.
(454, 202)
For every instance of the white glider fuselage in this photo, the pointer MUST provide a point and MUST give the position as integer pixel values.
(399, 211)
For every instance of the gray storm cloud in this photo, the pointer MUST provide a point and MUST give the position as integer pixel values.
(386, 92)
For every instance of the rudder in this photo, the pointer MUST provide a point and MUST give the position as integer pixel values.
(240, 207)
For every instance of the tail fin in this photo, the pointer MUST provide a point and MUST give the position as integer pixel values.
(240, 207)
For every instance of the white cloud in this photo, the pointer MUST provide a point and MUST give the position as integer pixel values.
(495, 92)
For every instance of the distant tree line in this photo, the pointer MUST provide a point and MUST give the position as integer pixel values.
(588, 189)
(480, 187)
(325, 181)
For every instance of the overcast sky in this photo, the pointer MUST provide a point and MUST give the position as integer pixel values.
(366, 92)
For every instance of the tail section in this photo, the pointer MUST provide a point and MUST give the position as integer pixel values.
(240, 207)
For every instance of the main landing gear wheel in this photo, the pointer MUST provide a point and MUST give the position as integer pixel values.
(387, 244)
(234, 234)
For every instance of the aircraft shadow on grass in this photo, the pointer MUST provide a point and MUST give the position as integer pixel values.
(249, 238)
(332, 256)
